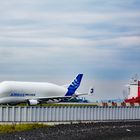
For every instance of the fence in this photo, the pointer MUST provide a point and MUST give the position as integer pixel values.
(67, 113)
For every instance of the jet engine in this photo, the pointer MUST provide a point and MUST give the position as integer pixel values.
(33, 102)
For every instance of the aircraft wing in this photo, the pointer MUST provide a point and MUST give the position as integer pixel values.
(46, 99)
(64, 98)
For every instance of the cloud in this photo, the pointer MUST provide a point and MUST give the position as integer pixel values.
(40, 40)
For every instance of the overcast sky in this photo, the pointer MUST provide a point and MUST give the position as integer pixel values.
(53, 41)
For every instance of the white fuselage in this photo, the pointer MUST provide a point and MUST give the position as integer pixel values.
(11, 91)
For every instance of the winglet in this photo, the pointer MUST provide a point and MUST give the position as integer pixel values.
(91, 91)
(74, 85)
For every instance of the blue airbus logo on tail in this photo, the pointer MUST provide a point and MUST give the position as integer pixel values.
(74, 85)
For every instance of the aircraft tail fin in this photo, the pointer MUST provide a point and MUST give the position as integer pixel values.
(74, 85)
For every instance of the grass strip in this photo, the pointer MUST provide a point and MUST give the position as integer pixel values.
(8, 128)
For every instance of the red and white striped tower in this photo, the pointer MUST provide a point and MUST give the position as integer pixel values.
(134, 91)
(138, 88)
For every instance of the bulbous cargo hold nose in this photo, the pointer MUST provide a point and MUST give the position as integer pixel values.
(4, 87)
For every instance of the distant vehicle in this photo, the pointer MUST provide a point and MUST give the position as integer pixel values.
(33, 93)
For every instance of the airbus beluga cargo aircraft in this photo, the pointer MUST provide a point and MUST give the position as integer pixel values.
(33, 93)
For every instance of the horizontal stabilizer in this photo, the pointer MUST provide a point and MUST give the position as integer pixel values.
(91, 91)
